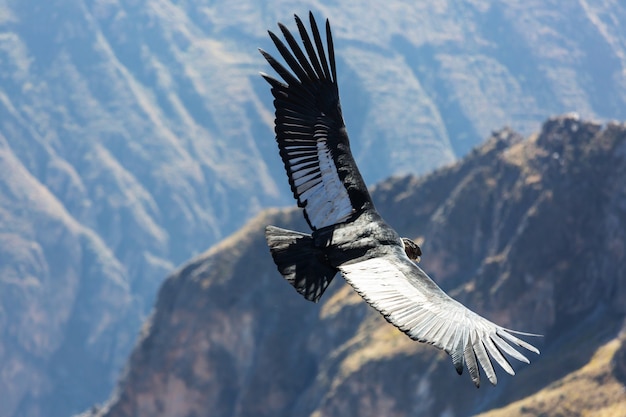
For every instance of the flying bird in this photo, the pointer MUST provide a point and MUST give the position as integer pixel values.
(348, 234)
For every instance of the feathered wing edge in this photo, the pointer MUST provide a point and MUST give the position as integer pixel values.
(309, 128)
(312, 67)
(412, 302)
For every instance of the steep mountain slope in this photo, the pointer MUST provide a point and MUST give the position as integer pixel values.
(45, 256)
(594, 389)
(145, 133)
(530, 233)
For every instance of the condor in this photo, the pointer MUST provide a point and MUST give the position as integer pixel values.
(348, 235)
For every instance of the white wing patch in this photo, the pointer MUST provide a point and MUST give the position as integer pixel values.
(411, 301)
(320, 191)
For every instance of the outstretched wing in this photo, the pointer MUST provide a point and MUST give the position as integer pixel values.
(412, 302)
(310, 131)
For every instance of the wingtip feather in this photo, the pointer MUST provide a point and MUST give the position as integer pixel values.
(508, 336)
(470, 361)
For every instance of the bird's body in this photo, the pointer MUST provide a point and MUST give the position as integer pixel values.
(348, 234)
(362, 236)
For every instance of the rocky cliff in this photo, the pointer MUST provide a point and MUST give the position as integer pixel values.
(528, 232)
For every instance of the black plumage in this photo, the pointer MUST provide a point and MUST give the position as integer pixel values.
(348, 235)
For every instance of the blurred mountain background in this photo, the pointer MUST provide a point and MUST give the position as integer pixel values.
(135, 134)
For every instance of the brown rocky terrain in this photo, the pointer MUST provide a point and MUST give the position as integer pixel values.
(528, 232)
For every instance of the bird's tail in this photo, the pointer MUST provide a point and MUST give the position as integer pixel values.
(299, 261)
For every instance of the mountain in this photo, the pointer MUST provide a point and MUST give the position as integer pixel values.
(528, 232)
(135, 134)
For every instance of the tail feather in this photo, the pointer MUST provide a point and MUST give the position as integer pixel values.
(299, 261)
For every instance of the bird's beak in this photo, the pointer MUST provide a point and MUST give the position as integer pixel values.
(418, 259)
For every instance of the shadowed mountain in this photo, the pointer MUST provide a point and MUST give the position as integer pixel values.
(528, 232)
(135, 134)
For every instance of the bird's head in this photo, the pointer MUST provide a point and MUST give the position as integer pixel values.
(413, 251)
